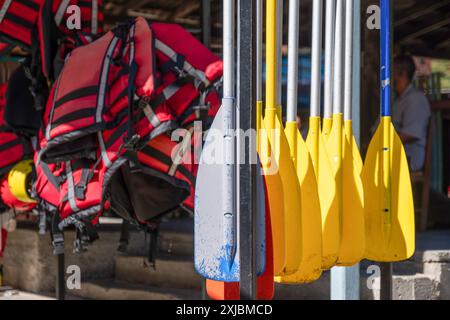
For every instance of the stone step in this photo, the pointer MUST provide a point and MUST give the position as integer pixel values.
(110, 289)
(172, 271)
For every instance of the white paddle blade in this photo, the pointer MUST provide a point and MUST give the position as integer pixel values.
(216, 234)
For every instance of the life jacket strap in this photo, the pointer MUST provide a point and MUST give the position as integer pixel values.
(57, 236)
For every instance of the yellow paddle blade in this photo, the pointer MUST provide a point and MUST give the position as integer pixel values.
(390, 235)
(326, 128)
(350, 195)
(327, 195)
(311, 266)
(353, 236)
(275, 197)
(357, 159)
(291, 196)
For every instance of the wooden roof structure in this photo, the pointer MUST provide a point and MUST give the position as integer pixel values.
(421, 27)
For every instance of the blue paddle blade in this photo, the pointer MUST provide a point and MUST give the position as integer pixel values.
(216, 233)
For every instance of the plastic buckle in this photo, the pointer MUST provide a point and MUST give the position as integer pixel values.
(58, 244)
(130, 144)
(80, 192)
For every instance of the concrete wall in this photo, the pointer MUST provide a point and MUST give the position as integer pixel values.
(30, 265)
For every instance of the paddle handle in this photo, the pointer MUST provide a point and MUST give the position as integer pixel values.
(292, 90)
(385, 58)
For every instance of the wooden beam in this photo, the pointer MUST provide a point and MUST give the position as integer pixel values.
(420, 12)
(424, 31)
(188, 8)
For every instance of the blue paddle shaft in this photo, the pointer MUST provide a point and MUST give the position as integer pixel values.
(386, 58)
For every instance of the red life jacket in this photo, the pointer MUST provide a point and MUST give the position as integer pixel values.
(12, 202)
(171, 80)
(12, 148)
(3, 236)
(19, 18)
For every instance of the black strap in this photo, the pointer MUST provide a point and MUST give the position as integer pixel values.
(57, 235)
(80, 188)
(176, 65)
(153, 233)
(56, 181)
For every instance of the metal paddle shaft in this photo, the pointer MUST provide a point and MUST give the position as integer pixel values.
(229, 125)
(292, 90)
(316, 58)
(330, 17)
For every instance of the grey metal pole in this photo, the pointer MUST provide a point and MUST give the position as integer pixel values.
(247, 170)
(206, 22)
(345, 282)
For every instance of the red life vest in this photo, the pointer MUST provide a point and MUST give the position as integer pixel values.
(150, 79)
(12, 148)
(12, 202)
(4, 236)
(19, 18)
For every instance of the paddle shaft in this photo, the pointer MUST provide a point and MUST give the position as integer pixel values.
(229, 124)
(316, 53)
(271, 55)
(292, 89)
(348, 74)
(330, 17)
(338, 59)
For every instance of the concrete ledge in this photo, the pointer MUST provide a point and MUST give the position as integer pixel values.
(29, 263)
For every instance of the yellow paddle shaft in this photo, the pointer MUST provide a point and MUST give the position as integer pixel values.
(291, 131)
(326, 127)
(271, 57)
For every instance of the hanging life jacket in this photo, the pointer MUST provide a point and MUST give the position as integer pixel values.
(20, 18)
(147, 84)
(13, 148)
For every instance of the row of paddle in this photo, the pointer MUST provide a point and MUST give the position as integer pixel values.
(323, 206)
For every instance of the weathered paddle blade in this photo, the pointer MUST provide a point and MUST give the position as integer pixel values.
(219, 290)
(327, 194)
(390, 237)
(275, 199)
(291, 194)
(311, 264)
(213, 229)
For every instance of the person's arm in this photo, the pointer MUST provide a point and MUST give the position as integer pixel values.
(406, 138)
(414, 119)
